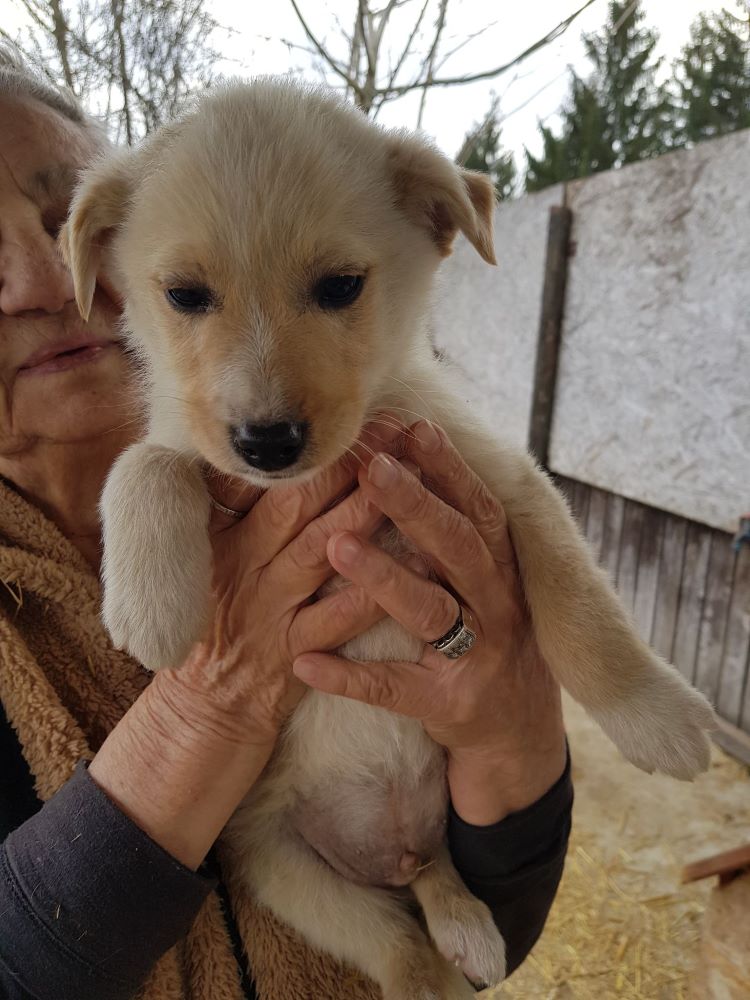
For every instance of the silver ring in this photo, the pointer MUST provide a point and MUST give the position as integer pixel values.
(236, 514)
(457, 640)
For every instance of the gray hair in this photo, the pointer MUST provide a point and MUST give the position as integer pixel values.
(19, 79)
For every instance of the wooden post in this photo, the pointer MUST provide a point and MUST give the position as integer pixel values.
(550, 325)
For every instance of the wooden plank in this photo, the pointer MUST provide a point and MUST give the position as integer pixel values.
(745, 713)
(564, 485)
(647, 581)
(550, 326)
(715, 614)
(735, 860)
(611, 534)
(690, 609)
(737, 642)
(595, 520)
(630, 545)
(670, 576)
(735, 741)
(579, 502)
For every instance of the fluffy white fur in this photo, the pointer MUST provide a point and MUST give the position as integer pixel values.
(257, 193)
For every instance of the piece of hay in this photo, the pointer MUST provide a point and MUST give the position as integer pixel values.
(616, 930)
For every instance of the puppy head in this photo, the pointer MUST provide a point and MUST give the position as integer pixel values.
(275, 252)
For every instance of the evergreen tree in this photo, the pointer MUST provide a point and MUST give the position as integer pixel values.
(481, 150)
(618, 114)
(712, 78)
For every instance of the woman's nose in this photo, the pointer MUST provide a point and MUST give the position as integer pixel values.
(32, 276)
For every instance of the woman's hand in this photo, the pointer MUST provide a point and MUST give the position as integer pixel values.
(190, 748)
(267, 568)
(496, 709)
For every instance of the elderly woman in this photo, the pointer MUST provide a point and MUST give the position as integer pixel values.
(114, 787)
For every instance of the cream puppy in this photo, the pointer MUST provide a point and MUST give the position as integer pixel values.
(276, 253)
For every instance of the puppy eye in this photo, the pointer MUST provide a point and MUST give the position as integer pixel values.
(194, 299)
(338, 290)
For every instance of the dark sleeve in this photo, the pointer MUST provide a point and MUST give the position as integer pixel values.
(515, 866)
(88, 902)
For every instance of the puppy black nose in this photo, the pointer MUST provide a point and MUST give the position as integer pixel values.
(269, 447)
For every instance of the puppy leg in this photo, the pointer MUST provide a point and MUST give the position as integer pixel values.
(460, 925)
(157, 554)
(643, 704)
(366, 927)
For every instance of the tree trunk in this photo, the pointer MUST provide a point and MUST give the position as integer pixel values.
(117, 18)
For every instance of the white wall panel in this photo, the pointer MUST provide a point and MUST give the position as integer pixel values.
(487, 318)
(653, 394)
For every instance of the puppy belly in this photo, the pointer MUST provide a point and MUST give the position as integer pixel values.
(368, 788)
(376, 832)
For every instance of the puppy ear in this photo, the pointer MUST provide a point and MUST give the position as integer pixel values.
(441, 197)
(98, 207)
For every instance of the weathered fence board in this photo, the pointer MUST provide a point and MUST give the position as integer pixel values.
(668, 590)
(716, 608)
(689, 592)
(736, 665)
(692, 593)
(647, 580)
(630, 546)
(596, 520)
(612, 533)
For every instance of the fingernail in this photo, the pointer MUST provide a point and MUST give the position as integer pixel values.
(304, 669)
(348, 548)
(427, 437)
(382, 472)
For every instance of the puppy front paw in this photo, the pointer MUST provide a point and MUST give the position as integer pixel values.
(144, 623)
(157, 555)
(663, 727)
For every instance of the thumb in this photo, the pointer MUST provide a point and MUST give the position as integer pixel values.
(394, 685)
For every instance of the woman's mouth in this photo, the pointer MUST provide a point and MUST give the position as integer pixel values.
(63, 357)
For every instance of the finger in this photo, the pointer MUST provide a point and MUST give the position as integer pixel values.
(335, 619)
(284, 511)
(398, 687)
(423, 607)
(232, 493)
(461, 487)
(303, 565)
(435, 528)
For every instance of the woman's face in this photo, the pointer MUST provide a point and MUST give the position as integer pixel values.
(61, 380)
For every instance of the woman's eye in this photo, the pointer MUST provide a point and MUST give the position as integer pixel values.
(194, 299)
(339, 290)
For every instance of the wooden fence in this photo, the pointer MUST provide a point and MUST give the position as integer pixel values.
(688, 591)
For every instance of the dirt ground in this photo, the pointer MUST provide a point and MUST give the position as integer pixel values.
(622, 925)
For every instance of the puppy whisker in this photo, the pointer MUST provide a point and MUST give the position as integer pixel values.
(351, 451)
(414, 413)
(410, 388)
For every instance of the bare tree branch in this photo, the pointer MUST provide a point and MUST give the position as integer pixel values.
(404, 55)
(370, 27)
(551, 36)
(428, 66)
(60, 31)
(124, 78)
(134, 60)
(464, 42)
(330, 61)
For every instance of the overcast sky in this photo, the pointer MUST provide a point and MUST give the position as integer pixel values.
(255, 47)
(253, 44)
